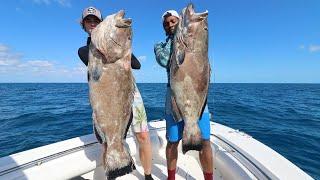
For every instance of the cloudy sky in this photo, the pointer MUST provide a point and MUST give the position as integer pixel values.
(250, 40)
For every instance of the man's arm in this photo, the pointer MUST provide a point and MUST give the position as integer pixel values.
(83, 53)
(163, 52)
(135, 64)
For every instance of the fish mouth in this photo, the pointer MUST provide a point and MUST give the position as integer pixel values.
(124, 23)
(121, 21)
(201, 16)
(193, 16)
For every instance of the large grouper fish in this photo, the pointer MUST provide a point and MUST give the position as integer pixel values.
(190, 74)
(111, 90)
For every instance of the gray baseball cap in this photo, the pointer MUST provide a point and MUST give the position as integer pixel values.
(91, 11)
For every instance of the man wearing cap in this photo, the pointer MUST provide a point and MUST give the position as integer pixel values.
(174, 129)
(91, 17)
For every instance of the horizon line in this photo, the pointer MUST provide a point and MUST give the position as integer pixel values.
(164, 83)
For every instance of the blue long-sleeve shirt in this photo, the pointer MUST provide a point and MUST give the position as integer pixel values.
(162, 51)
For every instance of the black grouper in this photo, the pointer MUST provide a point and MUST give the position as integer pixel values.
(190, 74)
(111, 90)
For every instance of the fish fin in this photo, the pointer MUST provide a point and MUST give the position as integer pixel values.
(203, 107)
(96, 73)
(191, 139)
(180, 46)
(97, 130)
(188, 147)
(128, 126)
(94, 65)
(176, 113)
(121, 171)
(118, 161)
(180, 57)
(97, 134)
(205, 98)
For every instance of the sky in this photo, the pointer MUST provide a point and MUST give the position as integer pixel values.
(250, 41)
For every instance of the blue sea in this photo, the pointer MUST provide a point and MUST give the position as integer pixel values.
(285, 117)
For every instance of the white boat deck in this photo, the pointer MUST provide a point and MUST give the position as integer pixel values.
(188, 166)
(236, 155)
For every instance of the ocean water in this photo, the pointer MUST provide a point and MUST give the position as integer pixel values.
(285, 117)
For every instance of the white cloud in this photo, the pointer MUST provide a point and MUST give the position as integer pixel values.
(40, 63)
(47, 2)
(3, 48)
(13, 68)
(314, 48)
(301, 46)
(311, 48)
(64, 3)
(142, 58)
(7, 58)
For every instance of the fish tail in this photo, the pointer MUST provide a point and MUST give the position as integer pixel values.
(118, 161)
(192, 139)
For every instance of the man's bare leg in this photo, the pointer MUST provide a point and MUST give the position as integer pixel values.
(145, 151)
(205, 156)
(172, 156)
